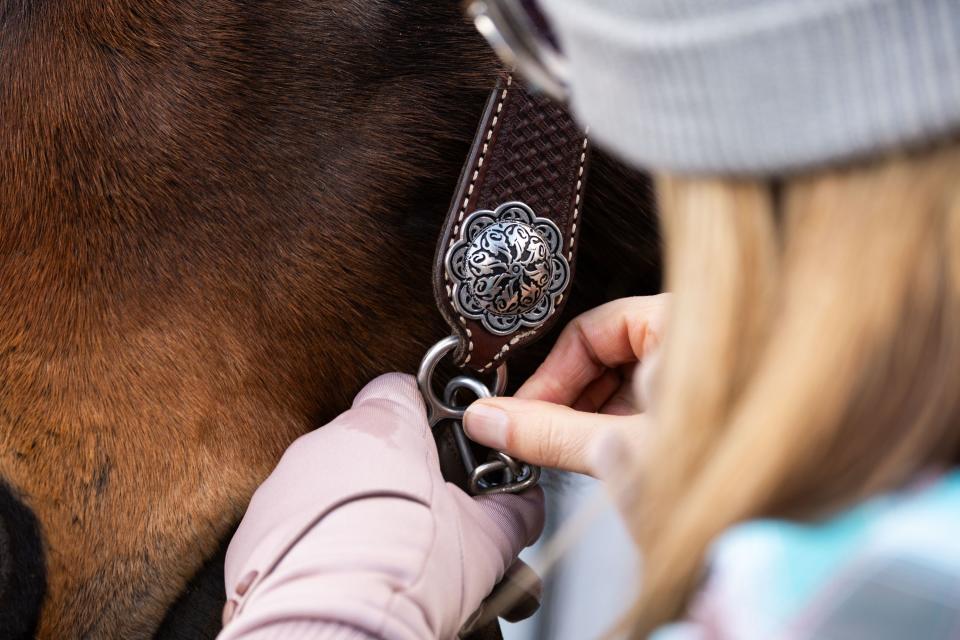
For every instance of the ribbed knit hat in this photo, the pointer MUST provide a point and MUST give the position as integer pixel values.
(760, 86)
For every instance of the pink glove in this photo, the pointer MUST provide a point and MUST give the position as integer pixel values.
(357, 529)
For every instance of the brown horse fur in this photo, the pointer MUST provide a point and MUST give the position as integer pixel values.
(217, 221)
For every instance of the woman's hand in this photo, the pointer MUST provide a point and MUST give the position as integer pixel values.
(599, 372)
(356, 527)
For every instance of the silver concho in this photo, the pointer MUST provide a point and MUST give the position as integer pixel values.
(507, 268)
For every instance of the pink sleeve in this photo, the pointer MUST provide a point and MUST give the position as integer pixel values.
(357, 535)
(350, 575)
(309, 630)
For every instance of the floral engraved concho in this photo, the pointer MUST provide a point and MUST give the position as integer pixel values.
(507, 268)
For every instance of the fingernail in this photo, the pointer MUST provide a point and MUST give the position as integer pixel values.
(487, 425)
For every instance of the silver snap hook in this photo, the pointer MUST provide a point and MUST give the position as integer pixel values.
(501, 473)
(437, 409)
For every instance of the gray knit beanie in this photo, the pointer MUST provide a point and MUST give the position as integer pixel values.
(760, 86)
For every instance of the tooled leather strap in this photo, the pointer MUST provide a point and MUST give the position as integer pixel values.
(507, 252)
(506, 256)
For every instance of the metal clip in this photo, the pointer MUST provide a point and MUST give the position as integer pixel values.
(501, 473)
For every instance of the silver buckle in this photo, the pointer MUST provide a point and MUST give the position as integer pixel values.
(500, 473)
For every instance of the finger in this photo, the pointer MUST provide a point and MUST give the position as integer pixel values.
(610, 455)
(541, 433)
(624, 400)
(602, 338)
(599, 392)
(398, 392)
(615, 460)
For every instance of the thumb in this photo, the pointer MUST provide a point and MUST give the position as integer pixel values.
(389, 403)
(538, 432)
(398, 391)
(391, 411)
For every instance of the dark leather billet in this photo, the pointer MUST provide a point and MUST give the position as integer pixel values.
(527, 149)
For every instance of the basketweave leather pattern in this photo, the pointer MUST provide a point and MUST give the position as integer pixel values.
(527, 149)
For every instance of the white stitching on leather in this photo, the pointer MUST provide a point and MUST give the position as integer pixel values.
(463, 210)
(576, 208)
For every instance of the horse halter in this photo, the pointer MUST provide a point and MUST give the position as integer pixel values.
(504, 264)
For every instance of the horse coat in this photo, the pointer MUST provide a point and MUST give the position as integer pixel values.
(217, 221)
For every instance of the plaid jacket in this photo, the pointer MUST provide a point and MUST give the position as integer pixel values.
(888, 569)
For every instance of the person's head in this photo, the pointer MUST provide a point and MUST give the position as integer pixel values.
(812, 355)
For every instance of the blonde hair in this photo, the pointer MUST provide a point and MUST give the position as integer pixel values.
(812, 355)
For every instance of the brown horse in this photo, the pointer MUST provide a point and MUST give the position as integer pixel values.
(217, 221)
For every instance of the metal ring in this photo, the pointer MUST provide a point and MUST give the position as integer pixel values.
(514, 466)
(529, 476)
(513, 36)
(464, 382)
(437, 409)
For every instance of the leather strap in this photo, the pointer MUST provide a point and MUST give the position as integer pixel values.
(527, 150)
(517, 205)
